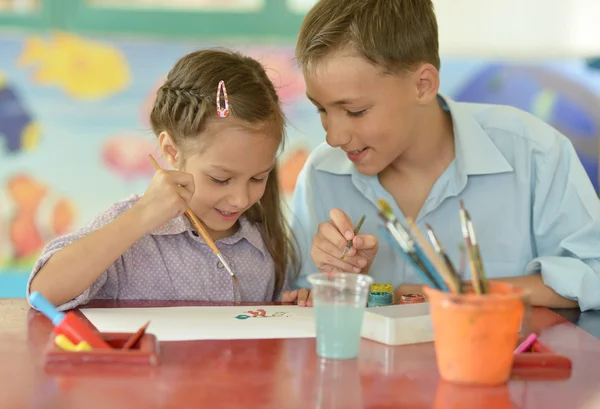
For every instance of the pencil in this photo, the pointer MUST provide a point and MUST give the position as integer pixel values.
(136, 337)
(200, 229)
(356, 230)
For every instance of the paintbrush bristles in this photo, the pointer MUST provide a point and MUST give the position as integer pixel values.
(439, 265)
(386, 209)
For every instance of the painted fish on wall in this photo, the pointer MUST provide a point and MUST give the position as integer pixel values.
(84, 69)
(31, 214)
(18, 129)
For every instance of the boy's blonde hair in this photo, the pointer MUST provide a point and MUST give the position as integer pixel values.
(396, 35)
(185, 106)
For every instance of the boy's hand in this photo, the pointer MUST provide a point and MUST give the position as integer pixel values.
(302, 297)
(331, 240)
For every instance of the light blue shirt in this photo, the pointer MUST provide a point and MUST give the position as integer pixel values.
(533, 206)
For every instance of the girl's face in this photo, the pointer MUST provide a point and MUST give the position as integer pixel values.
(230, 174)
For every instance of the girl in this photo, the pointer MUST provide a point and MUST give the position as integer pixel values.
(225, 153)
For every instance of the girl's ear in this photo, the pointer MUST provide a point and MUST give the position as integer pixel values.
(169, 149)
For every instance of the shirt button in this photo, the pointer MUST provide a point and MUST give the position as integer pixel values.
(195, 233)
(220, 265)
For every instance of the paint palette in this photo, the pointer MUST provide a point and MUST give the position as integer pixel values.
(398, 324)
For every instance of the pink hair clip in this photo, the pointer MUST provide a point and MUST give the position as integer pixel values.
(222, 112)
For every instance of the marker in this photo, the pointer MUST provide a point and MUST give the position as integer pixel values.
(68, 323)
(525, 345)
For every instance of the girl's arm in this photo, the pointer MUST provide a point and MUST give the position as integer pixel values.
(73, 269)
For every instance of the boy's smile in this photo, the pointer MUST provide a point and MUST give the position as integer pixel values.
(377, 118)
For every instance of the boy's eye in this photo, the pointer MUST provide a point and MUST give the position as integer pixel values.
(356, 114)
(219, 181)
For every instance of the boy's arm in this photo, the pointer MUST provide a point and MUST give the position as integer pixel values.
(566, 228)
(541, 294)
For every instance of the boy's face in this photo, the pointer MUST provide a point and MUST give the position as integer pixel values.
(370, 115)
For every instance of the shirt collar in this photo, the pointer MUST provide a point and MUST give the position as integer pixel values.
(476, 154)
(246, 231)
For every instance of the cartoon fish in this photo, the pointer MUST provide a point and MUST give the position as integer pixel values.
(17, 127)
(82, 68)
(30, 216)
(127, 155)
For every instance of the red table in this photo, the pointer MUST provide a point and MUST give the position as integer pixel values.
(282, 374)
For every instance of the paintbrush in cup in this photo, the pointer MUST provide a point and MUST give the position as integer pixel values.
(441, 252)
(413, 253)
(200, 229)
(476, 265)
(441, 268)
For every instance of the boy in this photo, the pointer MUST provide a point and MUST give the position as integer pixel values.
(372, 70)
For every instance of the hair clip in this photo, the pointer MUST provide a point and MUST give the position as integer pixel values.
(222, 112)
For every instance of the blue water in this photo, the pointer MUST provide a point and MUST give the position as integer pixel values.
(338, 330)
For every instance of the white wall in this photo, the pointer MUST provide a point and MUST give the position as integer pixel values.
(519, 28)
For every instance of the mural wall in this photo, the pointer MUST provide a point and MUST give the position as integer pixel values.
(74, 131)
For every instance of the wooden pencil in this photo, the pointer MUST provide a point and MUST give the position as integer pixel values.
(136, 337)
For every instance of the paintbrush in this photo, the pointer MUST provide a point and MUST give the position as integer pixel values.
(393, 237)
(475, 263)
(356, 230)
(200, 229)
(441, 252)
(408, 248)
(437, 262)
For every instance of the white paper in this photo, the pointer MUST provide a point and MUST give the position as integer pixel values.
(202, 323)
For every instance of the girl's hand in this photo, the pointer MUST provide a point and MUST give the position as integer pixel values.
(331, 240)
(168, 196)
(302, 297)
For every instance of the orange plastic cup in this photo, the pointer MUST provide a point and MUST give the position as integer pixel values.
(475, 335)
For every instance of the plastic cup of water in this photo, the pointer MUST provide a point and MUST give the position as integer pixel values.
(339, 302)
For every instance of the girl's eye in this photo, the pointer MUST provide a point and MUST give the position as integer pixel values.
(321, 110)
(219, 181)
(356, 114)
(256, 180)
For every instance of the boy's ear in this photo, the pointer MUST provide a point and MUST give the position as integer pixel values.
(169, 149)
(427, 81)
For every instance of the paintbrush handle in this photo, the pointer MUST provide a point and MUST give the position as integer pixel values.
(413, 260)
(450, 266)
(200, 229)
(428, 267)
(479, 266)
(439, 265)
(475, 278)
